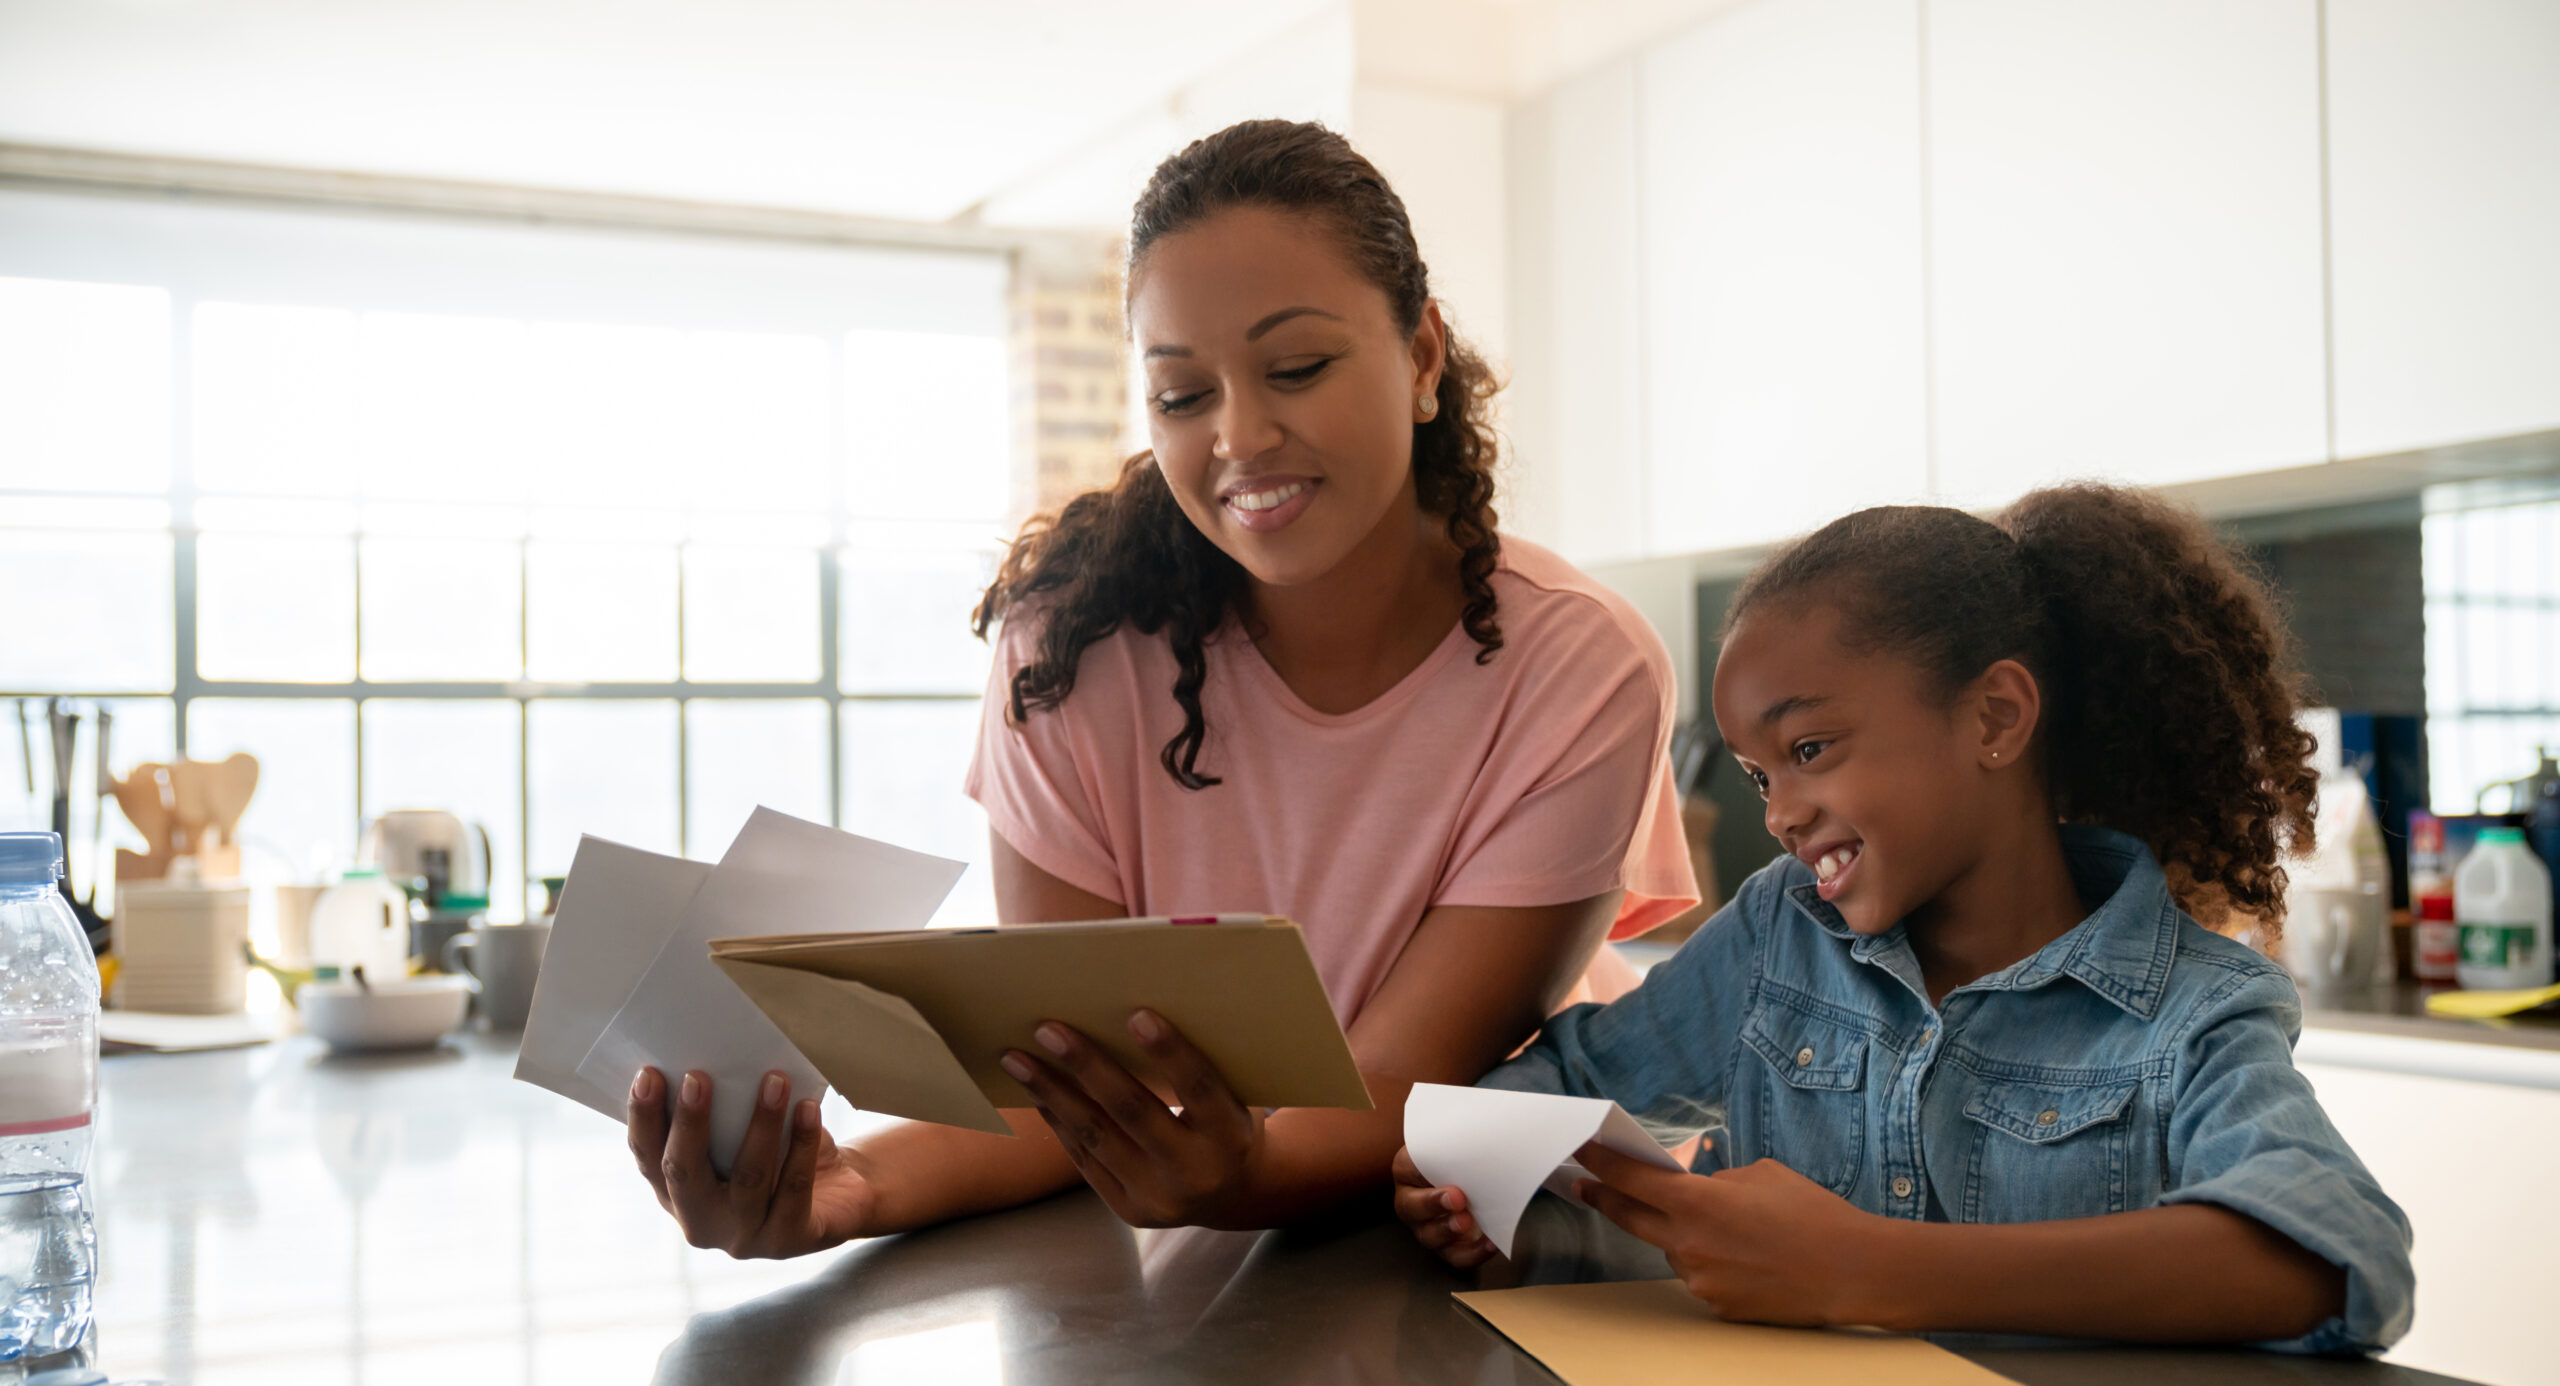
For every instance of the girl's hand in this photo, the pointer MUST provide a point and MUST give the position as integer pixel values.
(1439, 1217)
(1154, 1166)
(1759, 1244)
(789, 1192)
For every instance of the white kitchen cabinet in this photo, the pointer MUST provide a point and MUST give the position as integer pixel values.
(2125, 241)
(2444, 184)
(1781, 294)
(2470, 1163)
(1576, 409)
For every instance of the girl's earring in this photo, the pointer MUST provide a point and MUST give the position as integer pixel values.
(1427, 406)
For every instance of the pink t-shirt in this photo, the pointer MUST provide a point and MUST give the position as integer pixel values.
(1540, 778)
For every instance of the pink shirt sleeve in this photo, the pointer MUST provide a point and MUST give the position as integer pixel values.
(1033, 785)
(1585, 804)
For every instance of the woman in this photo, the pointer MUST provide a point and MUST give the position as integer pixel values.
(1284, 664)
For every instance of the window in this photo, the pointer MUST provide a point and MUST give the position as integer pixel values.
(566, 532)
(2493, 644)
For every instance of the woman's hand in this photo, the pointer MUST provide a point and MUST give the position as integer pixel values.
(1439, 1217)
(1154, 1166)
(790, 1192)
(1759, 1244)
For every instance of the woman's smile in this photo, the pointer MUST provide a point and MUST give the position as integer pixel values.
(1266, 504)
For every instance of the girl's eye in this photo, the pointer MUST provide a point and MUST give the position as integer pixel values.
(1805, 751)
(1300, 375)
(1175, 404)
(1759, 781)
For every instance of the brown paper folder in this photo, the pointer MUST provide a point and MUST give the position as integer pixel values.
(911, 1023)
(1645, 1332)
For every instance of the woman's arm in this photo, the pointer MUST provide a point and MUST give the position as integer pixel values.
(1764, 1244)
(1470, 985)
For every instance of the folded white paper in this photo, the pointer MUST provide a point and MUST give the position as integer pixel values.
(782, 875)
(1502, 1147)
(618, 910)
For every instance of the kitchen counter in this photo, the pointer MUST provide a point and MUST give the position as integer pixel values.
(274, 1215)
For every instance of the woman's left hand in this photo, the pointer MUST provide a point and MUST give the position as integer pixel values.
(1155, 1166)
(1759, 1244)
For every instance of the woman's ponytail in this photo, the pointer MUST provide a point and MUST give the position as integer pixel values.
(2169, 680)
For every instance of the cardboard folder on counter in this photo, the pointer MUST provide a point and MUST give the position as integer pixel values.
(911, 1023)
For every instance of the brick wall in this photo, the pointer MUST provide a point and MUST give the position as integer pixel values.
(1070, 375)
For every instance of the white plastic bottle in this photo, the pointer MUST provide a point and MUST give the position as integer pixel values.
(2502, 906)
(48, 1088)
(362, 921)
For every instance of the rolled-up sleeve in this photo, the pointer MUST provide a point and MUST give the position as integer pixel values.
(2248, 1134)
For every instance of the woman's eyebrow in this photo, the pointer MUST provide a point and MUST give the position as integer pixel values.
(1254, 333)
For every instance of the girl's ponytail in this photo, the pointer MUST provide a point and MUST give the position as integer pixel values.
(2169, 679)
(2172, 686)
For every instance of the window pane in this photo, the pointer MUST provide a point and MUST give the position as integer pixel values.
(279, 607)
(91, 612)
(84, 386)
(750, 614)
(302, 821)
(739, 753)
(442, 609)
(441, 407)
(462, 756)
(605, 767)
(753, 425)
(600, 413)
(927, 421)
(275, 396)
(600, 611)
(906, 621)
(903, 766)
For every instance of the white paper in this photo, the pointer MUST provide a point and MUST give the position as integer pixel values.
(781, 876)
(1502, 1147)
(619, 908)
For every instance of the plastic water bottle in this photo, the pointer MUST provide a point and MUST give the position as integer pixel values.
(48, 1088)
(2502, 904)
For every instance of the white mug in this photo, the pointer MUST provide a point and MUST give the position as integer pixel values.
(502, 961)
(2333, 939)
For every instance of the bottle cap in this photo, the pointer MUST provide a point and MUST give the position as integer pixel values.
(30, 858)
(2501, 834)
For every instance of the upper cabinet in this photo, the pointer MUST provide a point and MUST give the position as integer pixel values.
(1780, 193)
(2444, 185)
(1579, 425)
(2125, 241)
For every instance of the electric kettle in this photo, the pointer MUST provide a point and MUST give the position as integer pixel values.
(447, 853)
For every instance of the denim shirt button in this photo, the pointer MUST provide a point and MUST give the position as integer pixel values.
(2047, 1117)
(1902, 1186)
(1804, 1056)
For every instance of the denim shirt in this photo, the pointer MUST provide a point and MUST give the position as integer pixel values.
(2140, 1059)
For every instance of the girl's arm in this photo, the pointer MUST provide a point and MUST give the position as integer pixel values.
(1764, 1244)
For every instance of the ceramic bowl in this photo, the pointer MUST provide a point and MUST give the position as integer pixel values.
(409, 1013)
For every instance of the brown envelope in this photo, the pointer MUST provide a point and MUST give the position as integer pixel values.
(1646, 1331)
(911, 1023)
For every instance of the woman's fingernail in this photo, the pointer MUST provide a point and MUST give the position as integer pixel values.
(1016, 1065)
(1146, 1026)
(1052, 1039)
(693, 1086)
(644, 1086)
(805, 1116)
(775, 1086)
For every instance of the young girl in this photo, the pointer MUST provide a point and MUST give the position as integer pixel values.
(1975, 1064)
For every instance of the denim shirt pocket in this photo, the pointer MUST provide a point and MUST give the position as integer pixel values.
(1813, 1115)
(2045, 1151)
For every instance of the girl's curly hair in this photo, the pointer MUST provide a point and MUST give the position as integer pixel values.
(1127, 554)
(2170, 680)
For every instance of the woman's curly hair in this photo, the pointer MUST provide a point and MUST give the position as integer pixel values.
(1127, 554)
(2170, 680)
